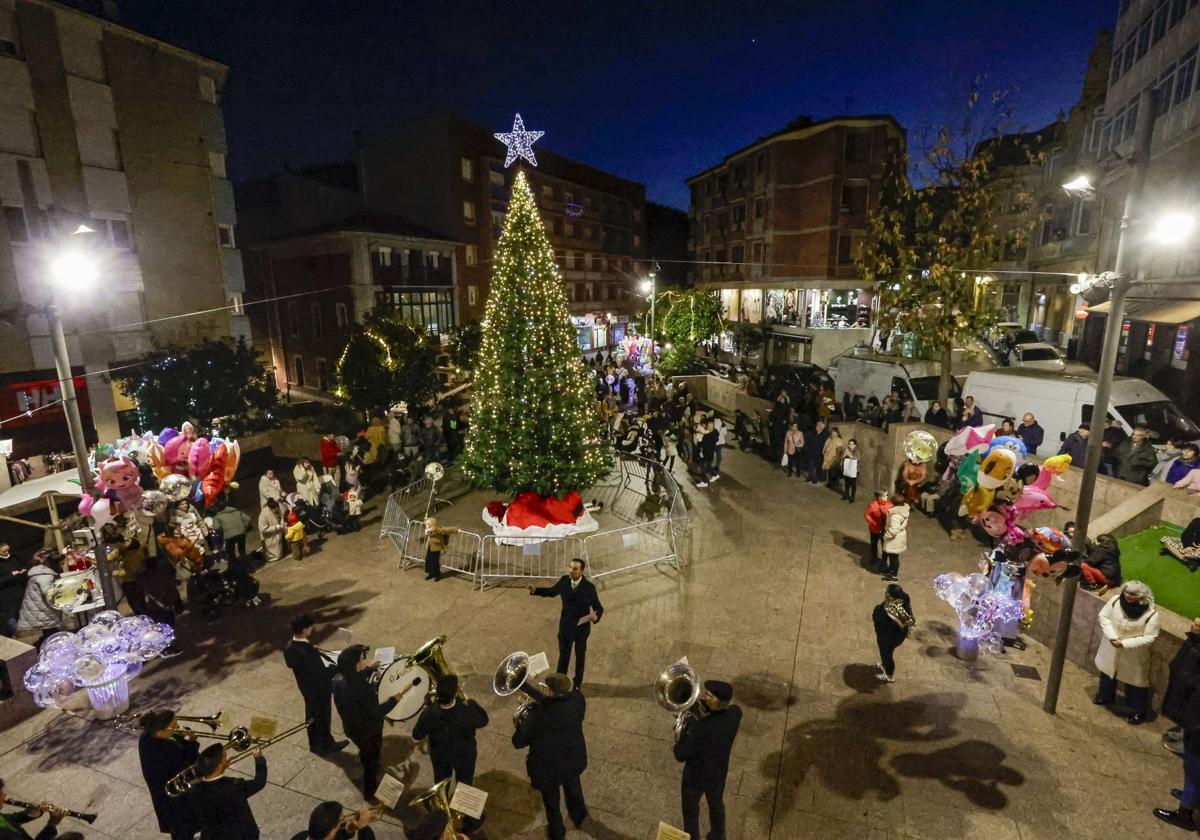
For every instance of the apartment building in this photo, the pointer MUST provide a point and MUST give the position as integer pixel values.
(1155, 45)
(776, 227)
(106, 127)
(448, 173)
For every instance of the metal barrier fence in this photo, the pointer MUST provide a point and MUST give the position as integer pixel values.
(637, 491)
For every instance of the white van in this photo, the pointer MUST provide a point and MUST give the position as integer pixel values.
(875, 375)
(1060, 402)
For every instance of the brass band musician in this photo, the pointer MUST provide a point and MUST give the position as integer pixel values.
(12, 826)
(164, 753)
(357, 701)
(327, 823)
(704, 748)
(223, 802)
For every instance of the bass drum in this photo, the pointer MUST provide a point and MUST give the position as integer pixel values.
(412, 680)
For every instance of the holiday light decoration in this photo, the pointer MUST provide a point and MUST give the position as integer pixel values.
(519, 142)
(102, 658)
(981, 609)
(535, 425)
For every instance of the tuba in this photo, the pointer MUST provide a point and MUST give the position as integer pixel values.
(677, 690)
(429, 658)
(437, 800)
(513, 676)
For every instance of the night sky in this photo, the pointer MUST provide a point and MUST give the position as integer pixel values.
(653, 91)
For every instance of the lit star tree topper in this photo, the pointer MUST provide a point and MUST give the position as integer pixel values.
(519, 142)
(535, 424)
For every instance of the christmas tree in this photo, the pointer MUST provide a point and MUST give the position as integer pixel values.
(535, 425)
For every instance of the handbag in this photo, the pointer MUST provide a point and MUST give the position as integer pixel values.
(783, 462)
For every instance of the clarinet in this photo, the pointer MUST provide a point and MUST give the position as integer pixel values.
(53, 810)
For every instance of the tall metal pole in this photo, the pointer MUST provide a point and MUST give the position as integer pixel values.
(1108, 364)
(653, 306)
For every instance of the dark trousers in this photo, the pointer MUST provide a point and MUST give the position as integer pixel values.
(1136, 697)
(462, 766)
(178, 834)
(1191, 781)
(891, 563)
(815, 473)
(433, 563)
(565, 641)
(887, 649)
(318, 709)
(716, 810)
(235, 546)
(370, 746)
(851, 486)
(572, 789)
(876, 548)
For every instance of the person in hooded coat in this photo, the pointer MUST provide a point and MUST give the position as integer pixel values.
(1129, 623)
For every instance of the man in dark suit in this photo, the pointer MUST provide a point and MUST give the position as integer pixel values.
(314, 677)
(361, 712)
(581, 609)
(164, 754)
(325, 823)
(553, 731)
(223, 802)
(704, 749)
(450, 726)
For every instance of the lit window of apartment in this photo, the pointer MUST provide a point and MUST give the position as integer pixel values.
(318, 328)
(472, 295)
(469, 212)
(208, 89)
(216, 162)
(468, 170)
(472, 254)
(496, 179)
(14, 220)
(637, 241)
(341, 314)
(547, 191)
(226, 236)
(384, 255)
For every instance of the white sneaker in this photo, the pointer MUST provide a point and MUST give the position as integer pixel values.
(701, 483)
(715, 477)
(882, 677)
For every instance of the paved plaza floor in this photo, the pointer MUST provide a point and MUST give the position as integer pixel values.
(775, 600)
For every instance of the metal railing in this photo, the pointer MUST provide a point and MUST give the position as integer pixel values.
(638, 491)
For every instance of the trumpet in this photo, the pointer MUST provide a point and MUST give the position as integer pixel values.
(347, 823)
(677, 690)
(52, 810)
(186, 779)
(513, 676)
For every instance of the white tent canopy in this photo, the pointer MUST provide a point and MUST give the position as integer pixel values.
(49, 487)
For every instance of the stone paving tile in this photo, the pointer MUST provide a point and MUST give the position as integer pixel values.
(776, 600)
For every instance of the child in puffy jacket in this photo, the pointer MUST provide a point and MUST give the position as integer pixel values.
(295, 536)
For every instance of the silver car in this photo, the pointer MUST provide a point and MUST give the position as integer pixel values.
(1037, 355)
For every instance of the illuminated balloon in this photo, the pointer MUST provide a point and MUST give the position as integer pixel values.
(920, 446)
(154, 502)
(175, 487)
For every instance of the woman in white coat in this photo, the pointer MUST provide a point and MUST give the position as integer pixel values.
(895, 536)
(269, 488)
(271, 529)
(1129, 623)
(308, 483)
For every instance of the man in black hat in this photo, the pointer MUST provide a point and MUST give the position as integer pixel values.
(704, 749)
(223, 802)
(361, 712)
(450, 726)
(325, 823)
(581, 609)
(314, 677)
(164, 753)
(553, 731)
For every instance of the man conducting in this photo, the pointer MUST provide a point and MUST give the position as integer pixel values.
(581, 609)
(553, 731)
(704, 749)
(314, 678)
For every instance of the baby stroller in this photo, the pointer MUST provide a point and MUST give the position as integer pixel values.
(312, 516)
(333, 507)
(222, 585)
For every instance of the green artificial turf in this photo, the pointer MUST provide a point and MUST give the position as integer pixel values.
(1174, 587)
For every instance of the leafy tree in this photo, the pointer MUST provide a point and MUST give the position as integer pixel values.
(926, 244)
(386, 361)
(747, 338)
(535, 425)
(464, 344)
(686, 317)
(216, 378)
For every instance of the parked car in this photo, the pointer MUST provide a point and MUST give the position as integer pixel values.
(995, 336)
(1060, 402)
(795, 378)
(1038, 355)
(876, 375)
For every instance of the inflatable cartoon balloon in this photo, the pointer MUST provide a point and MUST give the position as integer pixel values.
(970, 439)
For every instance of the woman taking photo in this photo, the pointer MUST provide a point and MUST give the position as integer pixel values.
(893, 618)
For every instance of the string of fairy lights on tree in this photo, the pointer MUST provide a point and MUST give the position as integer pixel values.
(535, 425)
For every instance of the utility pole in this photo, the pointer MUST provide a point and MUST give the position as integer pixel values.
(1121, 281)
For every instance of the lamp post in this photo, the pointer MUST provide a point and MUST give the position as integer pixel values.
(73, 268)
(650, 286)
(1172, 228)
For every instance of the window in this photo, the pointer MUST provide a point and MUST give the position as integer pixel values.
(1184, 76)
(298, 370)
(760, 164)
(1143, 39)
(472, 295)
(118, 234)
(216, 162)
(235, 303)
(578, 291)
(858, 147)
(293, 318)
(496, 179)
(1162, 93)
(14, 220)
(637, 216)
(637, 241)
(384, 255)
(472, 254)
(739, 176)
(318, 328)
(468, 170)
(854, 198)
(610, 292)
(596, 263)
(1086, 219)
(845, 254)
(739, 256)
(341, 315)
(469, 212)
(760, 207)
(589, 232)
(497, 223)
(547, 191)
(557, 227)
(739, 216)
(225, 236)
(1160, 20)
(322, 374)
(208, 89)
(1130, 122)
(757, 251)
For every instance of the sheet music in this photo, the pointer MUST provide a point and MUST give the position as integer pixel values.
(670, 832)
(468, 800)
(539, 663)
(343, 637)
(389, 790)
(385, 655)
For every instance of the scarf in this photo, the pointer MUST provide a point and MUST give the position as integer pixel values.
(1133, 610)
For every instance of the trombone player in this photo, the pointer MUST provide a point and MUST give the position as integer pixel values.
(164, 753)
(222, 802)
(314, 678)
(704, 747)
(450, 727)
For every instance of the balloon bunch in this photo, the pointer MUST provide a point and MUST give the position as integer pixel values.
(981, 608)
(920, 447)
(189, 465)
(110, 647)
(120, 488)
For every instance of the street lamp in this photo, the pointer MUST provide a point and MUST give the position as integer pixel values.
(1170, 228)
(649, 287)
(74, 269)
